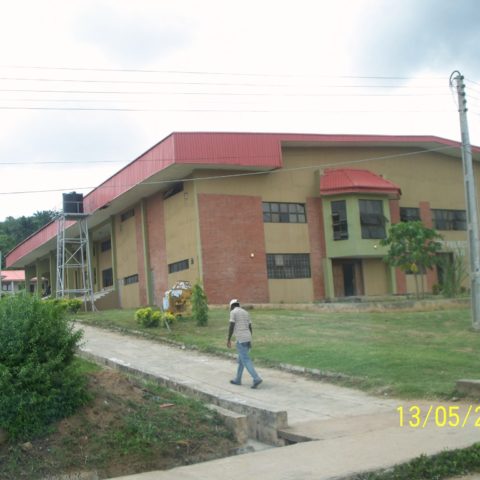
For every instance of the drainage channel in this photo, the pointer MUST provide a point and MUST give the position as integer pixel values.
(254, 427)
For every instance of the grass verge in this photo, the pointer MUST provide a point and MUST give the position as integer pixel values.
(130, 426)
(437, 467)
(404, 354)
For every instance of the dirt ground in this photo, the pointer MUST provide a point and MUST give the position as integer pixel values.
(127, 428)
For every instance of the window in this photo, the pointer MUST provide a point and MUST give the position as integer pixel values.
(126, 215)
(274, 212)
(372, 219)
(106, 245)
(178, 266)
(339, 220)
(409, 214)
(173, 190)
(288, 265)
(107, 278)
(449, 219)
(130, 279)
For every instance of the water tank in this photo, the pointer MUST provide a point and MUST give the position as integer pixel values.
(72, 203)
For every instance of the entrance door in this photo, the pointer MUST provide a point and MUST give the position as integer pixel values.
(349, 279)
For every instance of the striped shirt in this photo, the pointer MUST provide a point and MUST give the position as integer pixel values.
(241, 319)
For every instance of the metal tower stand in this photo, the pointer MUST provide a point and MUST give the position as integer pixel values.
(73, 254)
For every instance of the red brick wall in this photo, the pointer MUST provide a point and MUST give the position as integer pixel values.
(157, 246)
(400, 276)
(142, 292)
(317, 245)
(231, 229)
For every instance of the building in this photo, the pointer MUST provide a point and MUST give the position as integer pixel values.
(12, 281)
(262, 217)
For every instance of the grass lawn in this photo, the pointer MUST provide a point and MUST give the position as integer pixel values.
(413, 354)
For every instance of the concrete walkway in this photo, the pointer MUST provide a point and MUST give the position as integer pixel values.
(348, 431)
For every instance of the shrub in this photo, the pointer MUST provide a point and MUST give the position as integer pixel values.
(73, 305)
(199, 305)
(147, 317)
(39, 380)
(70, 305)
(168, 318)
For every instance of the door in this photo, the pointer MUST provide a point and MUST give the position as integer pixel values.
(349, 279)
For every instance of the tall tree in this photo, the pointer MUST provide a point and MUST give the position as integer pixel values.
(412, 248)
(15, 230)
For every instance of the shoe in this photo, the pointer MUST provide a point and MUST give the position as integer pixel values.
(234, 382)
(256, 383)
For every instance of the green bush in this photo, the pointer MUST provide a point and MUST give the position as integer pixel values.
(147, 317)
(39, 380)
(168, 318)
(70, 305)
(199, 305)
(74, 305)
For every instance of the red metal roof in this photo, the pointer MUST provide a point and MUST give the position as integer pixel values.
(350, 180)
(224, 150)
(13, 275)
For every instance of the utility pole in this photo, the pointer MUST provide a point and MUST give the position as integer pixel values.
(471, 199)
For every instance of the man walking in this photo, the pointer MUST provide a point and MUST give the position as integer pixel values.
(241, 327)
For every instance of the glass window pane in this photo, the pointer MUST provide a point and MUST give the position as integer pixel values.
(284, 207)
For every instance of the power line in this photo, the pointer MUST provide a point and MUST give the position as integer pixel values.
(203, 72)
(219, 94)
(217, 110)
(243, 174)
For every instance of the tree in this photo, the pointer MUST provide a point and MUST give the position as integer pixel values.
(412, 248)
(199, 305)
(15, 230)
(454, 272)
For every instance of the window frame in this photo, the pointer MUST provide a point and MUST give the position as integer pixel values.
(372, 224)
(127, 214)
(340, 226)
(288, 266)
(105, 245)
(410, 214)
(450, 219)
(178, 266)
(284, 212)
(110, 269)
(130, 279)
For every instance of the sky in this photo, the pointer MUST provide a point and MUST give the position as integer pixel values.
(87, 86)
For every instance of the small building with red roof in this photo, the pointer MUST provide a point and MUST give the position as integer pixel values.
(262, 217)
(12, 281)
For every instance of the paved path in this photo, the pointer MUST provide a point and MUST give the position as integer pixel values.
(350, 431)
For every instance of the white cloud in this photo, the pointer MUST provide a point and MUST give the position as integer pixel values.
(300, 54)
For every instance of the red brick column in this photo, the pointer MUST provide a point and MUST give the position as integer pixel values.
(426, 214)
(400, 277)
(233, 248)
(142, 290)
(317, 245)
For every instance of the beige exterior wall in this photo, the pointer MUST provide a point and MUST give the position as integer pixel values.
(411, 283)
(375, 277)
(181, 239)
(286, 238)
(126, 241)
(299, 290)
